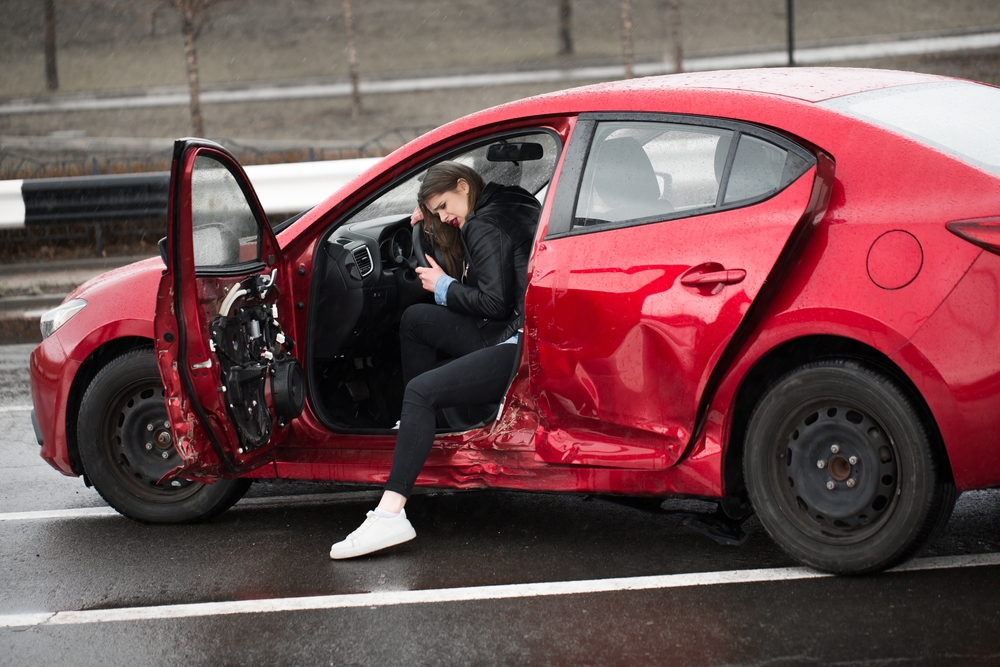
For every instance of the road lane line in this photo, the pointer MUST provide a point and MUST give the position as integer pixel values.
(15, 408)
(472, 593)
(76, 513)
(246, 503)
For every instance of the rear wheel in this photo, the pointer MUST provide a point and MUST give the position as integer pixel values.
(126, 447)
(841, 470)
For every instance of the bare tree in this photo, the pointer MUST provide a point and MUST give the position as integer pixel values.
(565, 27)
(627, 36)
(194, 15)
(352, 60)
(675, 15)
(51, 74)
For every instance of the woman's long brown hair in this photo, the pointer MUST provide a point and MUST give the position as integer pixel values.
(443, 177)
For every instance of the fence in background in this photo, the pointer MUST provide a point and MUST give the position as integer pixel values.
(31, 159)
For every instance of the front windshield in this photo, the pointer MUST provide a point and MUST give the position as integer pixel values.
(958, 117)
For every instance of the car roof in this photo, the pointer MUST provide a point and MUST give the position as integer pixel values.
(810, 84)
(757, 95)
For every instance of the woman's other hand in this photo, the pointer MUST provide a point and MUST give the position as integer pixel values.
(417, 216)
(429, 276)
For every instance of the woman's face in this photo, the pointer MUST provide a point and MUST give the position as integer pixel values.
(451, 206)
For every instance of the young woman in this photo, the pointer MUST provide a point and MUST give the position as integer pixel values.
(474, 321)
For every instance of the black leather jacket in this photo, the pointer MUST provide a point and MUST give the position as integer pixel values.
(497, 236)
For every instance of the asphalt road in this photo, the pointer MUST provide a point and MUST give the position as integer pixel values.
(492, 578)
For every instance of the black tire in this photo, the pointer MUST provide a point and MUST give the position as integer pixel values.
(126, 446)
(841, 470)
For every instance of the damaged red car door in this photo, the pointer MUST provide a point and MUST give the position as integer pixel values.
(654, 254)
(231, 382)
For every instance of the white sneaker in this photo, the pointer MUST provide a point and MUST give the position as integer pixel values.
(375, 533)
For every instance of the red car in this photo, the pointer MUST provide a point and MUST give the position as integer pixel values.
(779, 286)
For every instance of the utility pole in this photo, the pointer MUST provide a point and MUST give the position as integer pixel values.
(675, 12)
(51, 74)
(627, 36)
(565, 27)
(791, 32)
(352, 59)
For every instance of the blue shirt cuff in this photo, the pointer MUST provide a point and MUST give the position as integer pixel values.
(441, 289)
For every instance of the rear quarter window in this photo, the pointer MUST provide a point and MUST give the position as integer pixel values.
(960, 118)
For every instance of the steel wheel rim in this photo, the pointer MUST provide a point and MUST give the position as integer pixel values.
(835, 468)
(138, 446)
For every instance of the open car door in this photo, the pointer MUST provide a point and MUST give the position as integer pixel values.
(231, 383)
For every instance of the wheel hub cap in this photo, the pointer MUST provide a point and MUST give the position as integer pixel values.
(841, 472)
(142, 442)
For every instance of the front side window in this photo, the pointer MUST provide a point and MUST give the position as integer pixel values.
(532, 175)
(223, 226)
(648, 171)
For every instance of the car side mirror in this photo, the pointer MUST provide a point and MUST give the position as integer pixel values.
(514, 152)
(162, 245)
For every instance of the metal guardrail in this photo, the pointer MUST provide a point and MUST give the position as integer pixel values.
(95, 198)
(112, 207)
(81, 209)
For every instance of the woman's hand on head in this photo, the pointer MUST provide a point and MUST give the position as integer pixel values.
(429, 276)
(417, 216)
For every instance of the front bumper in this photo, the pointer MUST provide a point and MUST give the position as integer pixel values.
(52, 373)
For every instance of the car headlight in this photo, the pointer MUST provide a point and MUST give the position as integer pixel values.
(60, 315)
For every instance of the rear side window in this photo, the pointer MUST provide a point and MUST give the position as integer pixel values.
(642, 171)
(760, 169)
(639, 171)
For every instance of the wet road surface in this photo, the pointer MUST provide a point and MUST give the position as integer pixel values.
(282, 601)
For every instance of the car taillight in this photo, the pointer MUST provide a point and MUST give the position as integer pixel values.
(984, 232)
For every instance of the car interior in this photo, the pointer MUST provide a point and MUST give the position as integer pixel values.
(364, 279)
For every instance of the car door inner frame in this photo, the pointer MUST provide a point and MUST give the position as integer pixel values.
(182, 148)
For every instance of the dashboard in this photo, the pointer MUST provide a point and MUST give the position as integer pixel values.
(363, 280)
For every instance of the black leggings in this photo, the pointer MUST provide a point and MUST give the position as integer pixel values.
(479, 375)
(427, 329)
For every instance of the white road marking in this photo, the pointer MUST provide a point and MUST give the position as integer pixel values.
(176, 96)
(77, 513)
(246, 503)
(503, 592)
(15, 408)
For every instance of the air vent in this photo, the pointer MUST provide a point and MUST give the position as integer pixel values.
(363, 258)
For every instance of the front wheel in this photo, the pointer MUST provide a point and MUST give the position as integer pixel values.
(841, 471)
(126, 447)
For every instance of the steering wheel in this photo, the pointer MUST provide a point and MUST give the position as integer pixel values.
(418, 245)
